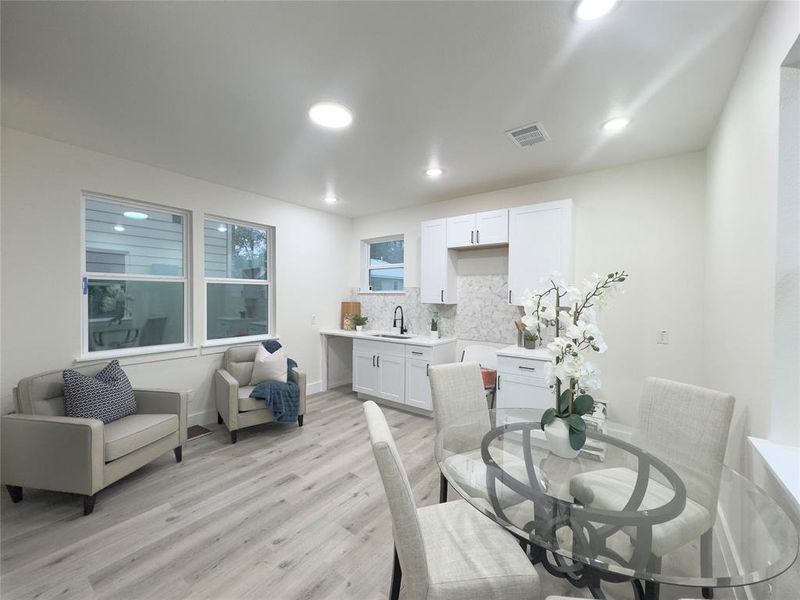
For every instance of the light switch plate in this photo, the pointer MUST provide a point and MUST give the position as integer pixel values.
(662, 337)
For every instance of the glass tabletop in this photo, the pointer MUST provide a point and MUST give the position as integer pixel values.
(620, 507)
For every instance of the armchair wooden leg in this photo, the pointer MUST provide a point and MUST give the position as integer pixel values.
(219, 419)
(706, 547)
(233, 436)
(88, 504)
(442, 488)
(397, 576)
(178, 453)
(299, 420)
(15, 492)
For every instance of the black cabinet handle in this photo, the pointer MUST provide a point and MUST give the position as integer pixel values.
(427, 370)
(509, 296)
(379, 361)
(442, 295)
(498, 381)
(528, 368)
(373, 360)
(471, 237)
(478, 236)
(417, 353)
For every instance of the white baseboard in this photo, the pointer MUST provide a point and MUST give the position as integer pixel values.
(202, 418)
(314, 387)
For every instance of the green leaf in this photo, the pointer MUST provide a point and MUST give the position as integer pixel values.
(548, 416)
(583, 404)
(577, 439)
(576, 423)
(563, 403)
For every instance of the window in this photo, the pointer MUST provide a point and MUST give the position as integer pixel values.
(238, 259)
(134, 276)
(383, 265)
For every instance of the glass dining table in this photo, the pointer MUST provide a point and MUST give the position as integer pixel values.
(501, 465)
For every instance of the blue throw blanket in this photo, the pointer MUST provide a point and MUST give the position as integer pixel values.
(282, 398)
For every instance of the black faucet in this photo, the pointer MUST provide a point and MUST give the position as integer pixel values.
(403, 328)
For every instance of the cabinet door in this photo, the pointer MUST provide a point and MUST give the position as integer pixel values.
(391, 377)
(539, 242)
(460, 231)
(519, 391)
(418, 388)
(437, 265)
(365, 373)
(491, 227)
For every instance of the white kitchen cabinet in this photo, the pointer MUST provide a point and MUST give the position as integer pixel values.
(539, 243)
(437, 265)
(418, 387)
(482, 229)
(520, 391)
(365, 373)
(391, 377)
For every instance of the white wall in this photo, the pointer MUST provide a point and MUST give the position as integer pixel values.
(41, 261)
(741, 229)
(646, 218)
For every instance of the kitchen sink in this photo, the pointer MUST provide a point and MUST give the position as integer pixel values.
(394, 336)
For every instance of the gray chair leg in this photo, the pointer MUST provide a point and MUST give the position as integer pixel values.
(442, 488)
(233, 436)
(706, 548)
(652, 590)
(178, 453)
(397, 575)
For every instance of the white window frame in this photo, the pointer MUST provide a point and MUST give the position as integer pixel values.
(366, 267)
(185, 279)
(269, 283)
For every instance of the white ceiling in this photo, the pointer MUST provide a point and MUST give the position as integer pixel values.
(220, 91)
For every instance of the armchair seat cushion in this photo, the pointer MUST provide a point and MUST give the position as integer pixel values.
(246, 403)
(130, 433)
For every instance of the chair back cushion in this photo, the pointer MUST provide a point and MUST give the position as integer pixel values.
(107, 395)
(687, 427)
(238, 361)
(405, 523)
(459, 397)
(43, 394)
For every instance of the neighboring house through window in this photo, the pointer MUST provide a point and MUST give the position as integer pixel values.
(135, 292)
(383, 269)
(238, 278)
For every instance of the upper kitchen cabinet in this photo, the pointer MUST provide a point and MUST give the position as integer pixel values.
(482, 229)
(539, 242)
(437, 265)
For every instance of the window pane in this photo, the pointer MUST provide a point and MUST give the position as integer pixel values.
(235, 251)
(384, 280)
(235, 310)
(146, 242)
(130, 314)
(386, 253)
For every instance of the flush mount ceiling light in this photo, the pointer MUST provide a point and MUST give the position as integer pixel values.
(136, 216)
(616, 124)
(222, 229)
(119, 228)
(330, 115)
(331, 199)
(434, 172)
(588, 10)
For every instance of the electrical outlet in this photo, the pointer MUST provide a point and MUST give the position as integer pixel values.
(313, 319)
(662, 337)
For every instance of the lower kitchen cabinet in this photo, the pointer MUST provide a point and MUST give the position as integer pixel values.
(521, 383)
(418, 387)
(391, 377)
(365, 373)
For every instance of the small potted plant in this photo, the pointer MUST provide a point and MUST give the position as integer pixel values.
(360, 321)
(434, 329)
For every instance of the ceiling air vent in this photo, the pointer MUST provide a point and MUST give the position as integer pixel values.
(528, 135)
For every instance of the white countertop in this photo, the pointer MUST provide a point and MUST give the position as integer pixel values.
(417, 340)
(517, 352)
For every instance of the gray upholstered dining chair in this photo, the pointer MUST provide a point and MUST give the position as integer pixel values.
(459, 400)
(445, 550)
(687, 427)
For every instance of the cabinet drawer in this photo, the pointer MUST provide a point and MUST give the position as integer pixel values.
(521, 366)
(376, 347)
(420, 352)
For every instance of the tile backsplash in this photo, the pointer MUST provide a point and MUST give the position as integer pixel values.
(482, 312)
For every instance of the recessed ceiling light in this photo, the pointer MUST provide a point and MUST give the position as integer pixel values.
(588, 10)
(119, 228)
(616, 124)
(330, 115)
(434, 172)
(331, 199)
(222, 229)
(136, 216)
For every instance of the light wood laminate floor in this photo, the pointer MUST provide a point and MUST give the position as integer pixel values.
(285, 513)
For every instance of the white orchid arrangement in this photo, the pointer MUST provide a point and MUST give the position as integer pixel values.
(573, 311)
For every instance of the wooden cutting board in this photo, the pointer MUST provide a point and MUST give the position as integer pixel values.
(352, 309)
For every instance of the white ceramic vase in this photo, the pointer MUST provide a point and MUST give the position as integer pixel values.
(434, 335)
(359, 328)
(557, 434)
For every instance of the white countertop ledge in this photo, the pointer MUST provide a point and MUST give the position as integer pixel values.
(784, 463)
(517, 352)
(417, 340)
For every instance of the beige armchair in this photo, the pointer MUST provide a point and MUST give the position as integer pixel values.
(43, 449)
(235, 407)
